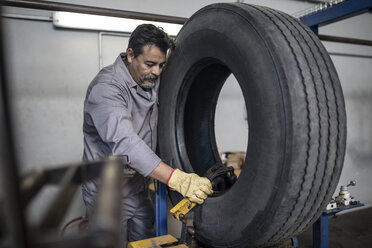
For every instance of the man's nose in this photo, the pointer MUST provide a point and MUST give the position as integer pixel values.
(156, 70)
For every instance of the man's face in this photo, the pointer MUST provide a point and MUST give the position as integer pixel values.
(146, 67)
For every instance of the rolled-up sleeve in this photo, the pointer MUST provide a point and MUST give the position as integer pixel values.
(107, 106)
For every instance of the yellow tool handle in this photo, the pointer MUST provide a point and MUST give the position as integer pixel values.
(182, 208)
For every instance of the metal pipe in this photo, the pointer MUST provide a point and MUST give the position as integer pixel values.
(345, 40)
(87, 171)
(351, 55)
(27, 17)
(31, 184)
(104, 229)
(57, 175)
(59, 206)
(107, 213)
(54, 6)
(14, 220)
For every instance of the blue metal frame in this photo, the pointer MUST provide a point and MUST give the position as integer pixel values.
(161, 209)
(336, 13)
(320, 232)
(320, 227)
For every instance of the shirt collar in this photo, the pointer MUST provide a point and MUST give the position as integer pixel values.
(120, 66)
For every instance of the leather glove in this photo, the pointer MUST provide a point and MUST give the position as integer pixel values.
(190, 185)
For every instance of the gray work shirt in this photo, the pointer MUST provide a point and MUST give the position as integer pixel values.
(120, 118)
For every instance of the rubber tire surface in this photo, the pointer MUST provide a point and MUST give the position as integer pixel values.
(296, 118)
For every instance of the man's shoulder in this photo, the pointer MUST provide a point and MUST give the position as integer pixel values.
(109, 82)
(114, 74)
(109, 77)
(107, 87)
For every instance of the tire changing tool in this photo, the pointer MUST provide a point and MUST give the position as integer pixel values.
(222, 178)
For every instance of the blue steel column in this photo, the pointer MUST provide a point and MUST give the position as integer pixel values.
(161, 209)
(320, 232)
(320, 227)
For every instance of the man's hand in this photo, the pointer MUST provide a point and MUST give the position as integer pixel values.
(190, 185)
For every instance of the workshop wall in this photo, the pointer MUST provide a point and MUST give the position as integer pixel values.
(354, 64)
(49, 70)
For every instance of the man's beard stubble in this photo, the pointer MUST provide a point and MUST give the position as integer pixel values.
(148, 82)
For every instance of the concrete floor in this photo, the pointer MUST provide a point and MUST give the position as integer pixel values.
(352, 229)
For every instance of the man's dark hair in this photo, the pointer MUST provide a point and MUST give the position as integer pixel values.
(148, 34)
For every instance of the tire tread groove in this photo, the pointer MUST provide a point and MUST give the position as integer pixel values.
(306, 169)
(300, 31)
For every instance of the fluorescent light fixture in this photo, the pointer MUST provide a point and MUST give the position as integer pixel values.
(105, 23)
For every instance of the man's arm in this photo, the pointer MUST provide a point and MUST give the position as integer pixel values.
(162, 172)
(114, 125)
(107, 107)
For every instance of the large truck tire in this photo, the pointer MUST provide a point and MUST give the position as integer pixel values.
(296, 119)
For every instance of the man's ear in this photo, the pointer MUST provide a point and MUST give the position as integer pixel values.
(130, 55)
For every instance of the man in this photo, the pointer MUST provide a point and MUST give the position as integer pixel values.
(120, 118)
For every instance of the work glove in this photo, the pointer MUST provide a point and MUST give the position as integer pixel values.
(190, 185)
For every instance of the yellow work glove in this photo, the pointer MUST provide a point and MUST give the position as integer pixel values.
(190, 185)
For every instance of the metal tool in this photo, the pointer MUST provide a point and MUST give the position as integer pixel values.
(344, 198)
(222, 178)
(182, 208)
